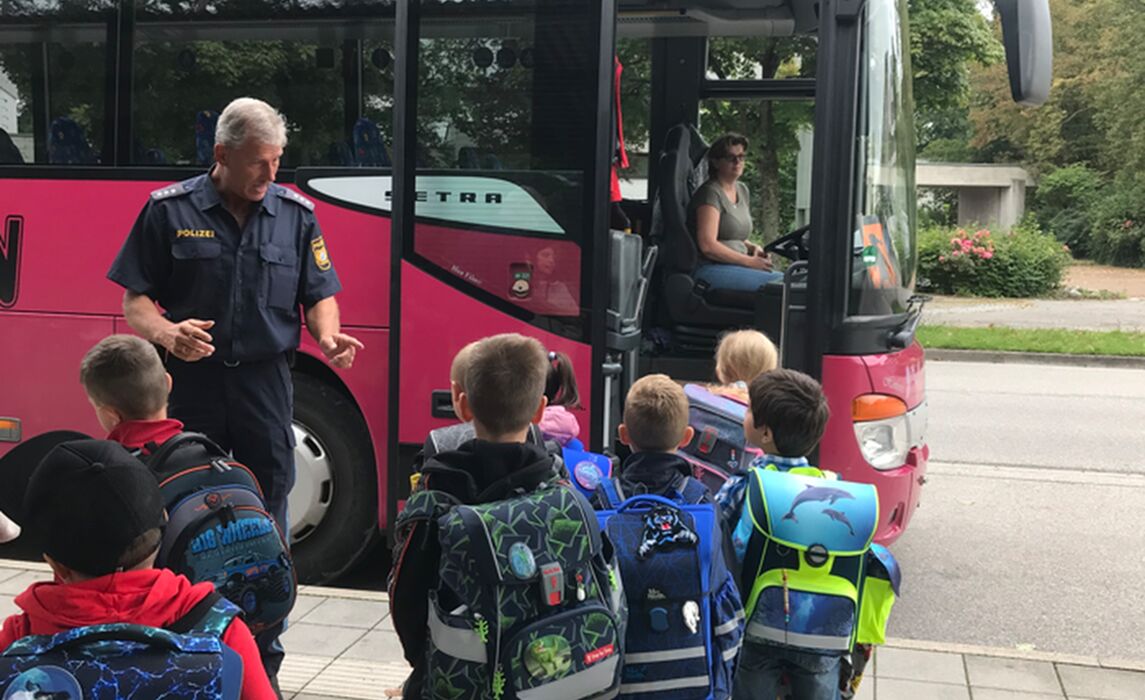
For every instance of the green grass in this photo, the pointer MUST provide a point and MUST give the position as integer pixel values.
(1033, 340)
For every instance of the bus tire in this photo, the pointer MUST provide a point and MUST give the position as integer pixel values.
(330, 429)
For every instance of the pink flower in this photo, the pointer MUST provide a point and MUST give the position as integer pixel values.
(966, 246)
(955, 253)
(987, 255)
(1127, 224)
(954, 241)
(941, 258)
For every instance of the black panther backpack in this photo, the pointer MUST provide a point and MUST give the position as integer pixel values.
(219, 529)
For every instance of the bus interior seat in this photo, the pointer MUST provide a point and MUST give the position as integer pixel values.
(369, 150)
(205, 122)
(68, 145)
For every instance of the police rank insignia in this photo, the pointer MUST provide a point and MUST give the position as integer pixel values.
(321, 257)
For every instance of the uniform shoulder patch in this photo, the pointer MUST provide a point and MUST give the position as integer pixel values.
(291, 195)
(176, 190)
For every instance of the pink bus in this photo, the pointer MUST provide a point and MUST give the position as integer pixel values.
(459, 156)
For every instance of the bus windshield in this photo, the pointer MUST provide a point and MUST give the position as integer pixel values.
(885, 254)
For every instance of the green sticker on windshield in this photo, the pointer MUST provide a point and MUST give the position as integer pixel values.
(870, 255)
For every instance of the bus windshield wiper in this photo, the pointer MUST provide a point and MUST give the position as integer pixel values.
(902, 336)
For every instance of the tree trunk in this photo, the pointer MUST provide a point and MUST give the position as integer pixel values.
(768, 196)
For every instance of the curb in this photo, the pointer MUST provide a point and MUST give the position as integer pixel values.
(1034, 358)
(1113, 663)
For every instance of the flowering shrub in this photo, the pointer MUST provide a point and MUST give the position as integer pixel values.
(1023, 262)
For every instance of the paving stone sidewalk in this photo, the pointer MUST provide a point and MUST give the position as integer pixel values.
(340, 645)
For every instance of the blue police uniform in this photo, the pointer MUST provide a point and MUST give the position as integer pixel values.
(186, 252)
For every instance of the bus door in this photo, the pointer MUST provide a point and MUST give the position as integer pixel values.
(499, 191)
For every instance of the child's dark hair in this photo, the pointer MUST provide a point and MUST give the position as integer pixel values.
(793, 406)
(560, 386)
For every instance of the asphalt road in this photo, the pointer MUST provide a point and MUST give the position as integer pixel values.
(1030, 532)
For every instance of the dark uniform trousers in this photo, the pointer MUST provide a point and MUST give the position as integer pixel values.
(247, 408)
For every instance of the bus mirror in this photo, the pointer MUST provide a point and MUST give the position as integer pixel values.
(1028, 37)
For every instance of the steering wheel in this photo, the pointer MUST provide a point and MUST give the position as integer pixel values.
(793, 245)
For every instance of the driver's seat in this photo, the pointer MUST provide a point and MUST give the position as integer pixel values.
(698, 312)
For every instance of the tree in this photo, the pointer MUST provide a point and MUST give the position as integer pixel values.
(947, 38)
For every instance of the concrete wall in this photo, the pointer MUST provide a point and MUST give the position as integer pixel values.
(988, 195)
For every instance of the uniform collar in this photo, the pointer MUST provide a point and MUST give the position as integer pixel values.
(207, 197)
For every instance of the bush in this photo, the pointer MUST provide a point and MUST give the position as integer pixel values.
(1025, 262)
(1063, 205)
(1117, 235)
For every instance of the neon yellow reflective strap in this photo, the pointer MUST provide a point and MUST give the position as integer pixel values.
(874, 611)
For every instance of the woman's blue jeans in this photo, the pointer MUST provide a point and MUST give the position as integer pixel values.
(735, 278)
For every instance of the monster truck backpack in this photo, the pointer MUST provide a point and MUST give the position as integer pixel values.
(186, 661)
(219, 530)
(718, 449)
(685, 619)
(528, 604)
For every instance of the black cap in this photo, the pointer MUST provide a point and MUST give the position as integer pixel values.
(88, 501)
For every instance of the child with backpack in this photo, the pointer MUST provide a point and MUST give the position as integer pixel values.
(798, 533)
(685, 619)
(741, 356)
(558, 423)
(207, 495)
(501, 581)
(718, 448)
(97, 515)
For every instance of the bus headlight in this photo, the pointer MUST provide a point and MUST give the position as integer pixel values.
(881, 429)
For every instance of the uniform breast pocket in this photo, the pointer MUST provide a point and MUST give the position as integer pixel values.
(280, 273)
(196, 273)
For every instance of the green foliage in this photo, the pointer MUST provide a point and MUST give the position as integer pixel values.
(1063, 205)
(946, 37)
(1025, 262)
(1059, 340)
(1117, 236)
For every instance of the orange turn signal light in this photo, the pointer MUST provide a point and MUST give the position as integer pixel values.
(876, 407)
(10, 430)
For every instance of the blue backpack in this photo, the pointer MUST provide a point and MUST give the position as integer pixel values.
(685, 619)
(186, 661)
(219, 530)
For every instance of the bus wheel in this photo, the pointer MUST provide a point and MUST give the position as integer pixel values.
(333, 507)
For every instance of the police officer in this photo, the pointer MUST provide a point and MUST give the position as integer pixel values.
(231, 256)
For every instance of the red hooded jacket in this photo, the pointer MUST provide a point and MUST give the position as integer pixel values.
(154, 597)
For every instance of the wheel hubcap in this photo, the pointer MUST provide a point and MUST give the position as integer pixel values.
(313, 490)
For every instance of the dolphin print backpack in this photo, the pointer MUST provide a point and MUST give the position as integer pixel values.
(528, 605)
(812, 580)
(186, 661)
(685, 620)
(718, 448)
(218, 529)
